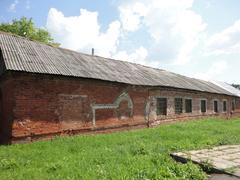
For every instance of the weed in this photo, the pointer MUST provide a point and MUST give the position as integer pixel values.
(7, 164)
(207, 165)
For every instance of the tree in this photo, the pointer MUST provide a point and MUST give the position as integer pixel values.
(26, 28)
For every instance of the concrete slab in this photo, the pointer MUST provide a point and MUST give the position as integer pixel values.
(224, 159)
(237, 172)
(222, 177)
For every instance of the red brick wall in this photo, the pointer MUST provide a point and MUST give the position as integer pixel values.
(34, 104)
(6, 109)
(238, 103)
(196, 97)
(45, 104)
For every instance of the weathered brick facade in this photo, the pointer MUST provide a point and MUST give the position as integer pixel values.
(36, 106)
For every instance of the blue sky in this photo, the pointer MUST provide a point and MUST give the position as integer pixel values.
(197, 38)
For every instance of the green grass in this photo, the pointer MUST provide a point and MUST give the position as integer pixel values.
(138, 154)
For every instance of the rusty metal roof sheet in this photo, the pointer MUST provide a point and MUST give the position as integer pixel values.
(21, 54)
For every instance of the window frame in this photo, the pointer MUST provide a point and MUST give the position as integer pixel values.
(175, 105)
(206, 109)
(216, 100)
(185, 105)
(157, 107)
(224, 101)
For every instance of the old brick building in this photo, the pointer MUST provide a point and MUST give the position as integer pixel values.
(47, 91)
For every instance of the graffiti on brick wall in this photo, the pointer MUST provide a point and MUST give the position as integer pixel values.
(123, 107)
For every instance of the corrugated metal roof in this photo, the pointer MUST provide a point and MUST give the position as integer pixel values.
(21, 54)
(228, 87)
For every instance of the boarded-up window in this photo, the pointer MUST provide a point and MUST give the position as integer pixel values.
(161, 106)
(215, 106)
(178, 105)
(74, 108)
(224, 106)
(188, 105)
(123, 111)
(203, 106)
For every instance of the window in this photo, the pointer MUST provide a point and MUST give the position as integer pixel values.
(215, 106)
(203, 106)
(161, 106)
(188, 105)
(224, 106)
(178, 105)
(233, 105)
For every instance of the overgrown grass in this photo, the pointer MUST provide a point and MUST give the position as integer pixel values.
(138, 154)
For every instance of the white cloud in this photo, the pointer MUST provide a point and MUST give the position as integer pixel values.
(225, 42)
(82, 32)
(12, 7)
(216, 69)
(172, 22)
(188, 27)
(131, 14)
(139, 56)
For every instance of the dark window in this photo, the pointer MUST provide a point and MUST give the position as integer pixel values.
(203, 106)
(161, 106)
(178, 105)
(224, 106)
(215, 106)
(233, 105)
(188, 105)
